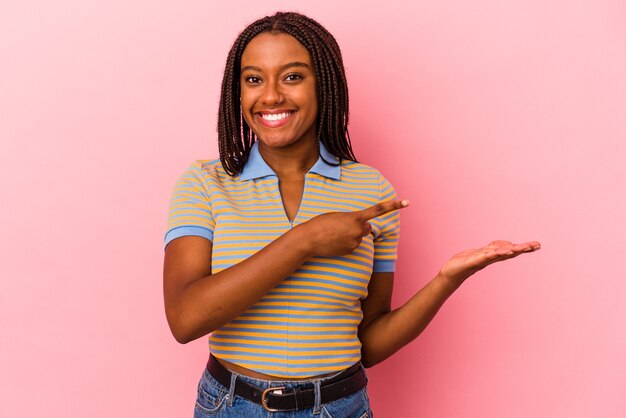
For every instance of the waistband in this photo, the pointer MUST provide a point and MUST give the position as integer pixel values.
(292, 395)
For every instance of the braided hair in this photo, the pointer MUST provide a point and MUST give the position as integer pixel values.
(235, 137)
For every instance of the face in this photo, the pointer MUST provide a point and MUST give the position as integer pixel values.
(278, 96)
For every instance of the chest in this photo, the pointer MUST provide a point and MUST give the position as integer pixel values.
(291, 191)
(249, 215)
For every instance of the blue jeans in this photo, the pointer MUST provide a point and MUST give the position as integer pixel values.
(215, 400)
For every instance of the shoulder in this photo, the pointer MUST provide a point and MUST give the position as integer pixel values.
(355, 170)
(206, 172)
(206, 167)
(352, 167)
(365, 176)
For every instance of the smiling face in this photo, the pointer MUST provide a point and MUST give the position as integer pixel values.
(278, 96)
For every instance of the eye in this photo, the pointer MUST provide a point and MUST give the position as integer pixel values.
(293, 77)
(252, 79)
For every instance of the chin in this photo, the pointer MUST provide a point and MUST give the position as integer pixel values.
(276, 142)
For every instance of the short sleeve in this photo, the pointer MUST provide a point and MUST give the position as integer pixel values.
(386, 232)
(190, 211)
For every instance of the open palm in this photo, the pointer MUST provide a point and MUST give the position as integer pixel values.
(468, 262)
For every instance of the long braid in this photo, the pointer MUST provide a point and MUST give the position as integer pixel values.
(235, 137)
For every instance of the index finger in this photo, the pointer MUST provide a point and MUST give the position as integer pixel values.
(380, 209)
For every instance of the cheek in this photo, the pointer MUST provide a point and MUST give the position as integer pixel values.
(244, 100)
(314, 101)
(245, 103)
(310, 98)
(314, 109)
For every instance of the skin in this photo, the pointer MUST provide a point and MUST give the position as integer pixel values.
(278, 74)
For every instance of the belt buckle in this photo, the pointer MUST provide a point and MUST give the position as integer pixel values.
(264, 398)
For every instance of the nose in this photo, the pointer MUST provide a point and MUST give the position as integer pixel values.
(272, 93)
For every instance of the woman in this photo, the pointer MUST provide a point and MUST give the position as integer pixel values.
(284, 249)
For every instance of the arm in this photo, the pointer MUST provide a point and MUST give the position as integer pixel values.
(404, 324)
(198, 302)
(400, 326)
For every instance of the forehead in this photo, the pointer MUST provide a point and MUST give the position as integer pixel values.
(269, 50)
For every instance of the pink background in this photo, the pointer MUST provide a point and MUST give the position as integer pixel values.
(498, 119)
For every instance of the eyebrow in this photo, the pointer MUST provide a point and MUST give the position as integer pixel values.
(282, 67)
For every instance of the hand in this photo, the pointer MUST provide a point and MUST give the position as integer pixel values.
(468, 262)
(340, 233)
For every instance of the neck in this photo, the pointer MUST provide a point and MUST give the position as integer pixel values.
(293, 161)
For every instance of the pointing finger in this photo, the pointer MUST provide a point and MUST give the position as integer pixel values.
(380, 209)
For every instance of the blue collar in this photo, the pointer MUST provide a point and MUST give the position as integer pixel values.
(256, 166)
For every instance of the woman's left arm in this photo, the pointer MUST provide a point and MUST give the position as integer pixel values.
(383, 332)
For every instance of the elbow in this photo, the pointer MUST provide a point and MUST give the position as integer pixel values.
(368, 362)
(181, 330)
(181, 338)
(186, 329)
(179, 333)
(371, 359)
(185, 335)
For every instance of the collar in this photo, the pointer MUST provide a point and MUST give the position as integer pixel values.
(256, 166)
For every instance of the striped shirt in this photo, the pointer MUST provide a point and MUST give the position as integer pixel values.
(307, 325)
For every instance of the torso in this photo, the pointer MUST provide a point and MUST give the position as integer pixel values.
(271, 337)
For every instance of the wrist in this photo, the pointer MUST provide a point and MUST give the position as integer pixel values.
(450, 284)
(299, 240)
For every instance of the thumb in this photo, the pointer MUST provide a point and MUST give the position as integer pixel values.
(367, 228)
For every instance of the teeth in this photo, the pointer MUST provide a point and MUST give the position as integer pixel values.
(275, 116)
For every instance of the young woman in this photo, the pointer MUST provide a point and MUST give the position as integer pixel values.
(284, 249)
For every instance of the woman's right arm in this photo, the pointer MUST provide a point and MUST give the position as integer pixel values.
(198, 302)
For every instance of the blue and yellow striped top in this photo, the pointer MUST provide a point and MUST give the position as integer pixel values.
(307, 325)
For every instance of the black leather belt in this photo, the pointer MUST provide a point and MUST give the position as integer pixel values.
(293, 399)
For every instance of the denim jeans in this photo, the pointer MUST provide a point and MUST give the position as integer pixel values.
(215, 400)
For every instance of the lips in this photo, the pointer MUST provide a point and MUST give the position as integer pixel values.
(274, 119)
